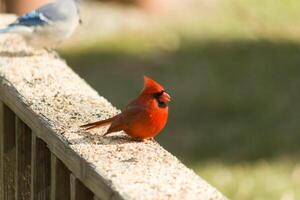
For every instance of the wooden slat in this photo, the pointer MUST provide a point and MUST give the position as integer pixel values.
(23, 164)
(78, 190)
(60, 180)
(1, 149)
(40, 170)
(8, 152)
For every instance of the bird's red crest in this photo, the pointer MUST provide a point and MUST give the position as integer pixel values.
(150, 84)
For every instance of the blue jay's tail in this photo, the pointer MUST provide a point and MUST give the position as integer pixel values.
(5, 30)
(16, 29)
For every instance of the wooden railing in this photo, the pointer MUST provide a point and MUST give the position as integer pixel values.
(44, 155)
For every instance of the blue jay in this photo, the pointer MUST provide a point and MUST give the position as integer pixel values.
(49, 25)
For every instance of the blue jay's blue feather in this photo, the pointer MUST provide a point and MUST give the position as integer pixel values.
(4, 30)
(31, 19)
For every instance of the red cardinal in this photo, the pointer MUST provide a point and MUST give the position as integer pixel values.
(144, 117)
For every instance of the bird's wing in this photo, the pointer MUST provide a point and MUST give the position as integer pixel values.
(47, 14)
(127, 117)
(33, 18)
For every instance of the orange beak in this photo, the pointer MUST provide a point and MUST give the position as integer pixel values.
(165, 97)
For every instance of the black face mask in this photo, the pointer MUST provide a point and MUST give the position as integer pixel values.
(157, 96)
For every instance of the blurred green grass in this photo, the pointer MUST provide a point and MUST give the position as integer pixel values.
(233, 72)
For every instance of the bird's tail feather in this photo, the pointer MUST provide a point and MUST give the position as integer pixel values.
(97, 124)
(4, 30)
(16, 29)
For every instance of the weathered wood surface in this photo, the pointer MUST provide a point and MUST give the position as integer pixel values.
(8, 152)
(60, 180)
(53, 101)
(78, 190)
(40, 169)
(1, 149)
(23, 160)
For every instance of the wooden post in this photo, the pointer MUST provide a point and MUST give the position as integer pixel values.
(40, 170)
(1, 149)
(60, 180)
(22, 6)
(78, 190)
(8, 152)
(23, 164)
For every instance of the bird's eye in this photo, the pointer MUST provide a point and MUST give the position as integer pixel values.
(158, 94)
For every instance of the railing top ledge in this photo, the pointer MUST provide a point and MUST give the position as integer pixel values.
(47, 95)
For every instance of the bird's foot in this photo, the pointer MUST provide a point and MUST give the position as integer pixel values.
(40, 53)
(139, 139)
(52, 52)
(144, 140)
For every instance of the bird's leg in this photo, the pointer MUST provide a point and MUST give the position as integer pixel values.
(52, 51)
(49, 50)
(144, 140)
(40, 52)
(152, 139)
(138, 139)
